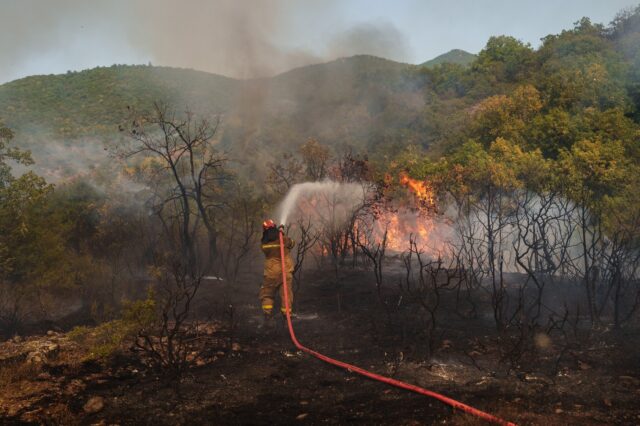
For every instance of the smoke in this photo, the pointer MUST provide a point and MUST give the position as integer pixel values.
(57, 161)
(237, 39)
(227, 37)
(325, 201)
(372, 38)
(86, 160)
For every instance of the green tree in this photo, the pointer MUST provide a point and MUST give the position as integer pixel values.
(506, 116)
(594, 173)
(33, 252)
(505, 58)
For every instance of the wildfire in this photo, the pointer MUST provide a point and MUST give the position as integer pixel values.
(401, 225)
(402, 220)
(416, 221)
(421, 189)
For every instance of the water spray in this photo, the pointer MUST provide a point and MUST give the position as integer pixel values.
(345, 195)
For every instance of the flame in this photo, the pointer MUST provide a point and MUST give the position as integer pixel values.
(405, 224)
(421, 189)
(414, 219)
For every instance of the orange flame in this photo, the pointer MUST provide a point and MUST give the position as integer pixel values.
(421, 189)
(415, 220)
(400, 226)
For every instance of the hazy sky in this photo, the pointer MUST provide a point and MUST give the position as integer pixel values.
(246, 38)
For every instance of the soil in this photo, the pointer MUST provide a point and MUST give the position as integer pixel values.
(246, 375)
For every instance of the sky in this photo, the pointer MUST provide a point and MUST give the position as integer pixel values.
(255, 38)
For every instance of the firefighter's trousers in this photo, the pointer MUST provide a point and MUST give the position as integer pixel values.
(273, 282)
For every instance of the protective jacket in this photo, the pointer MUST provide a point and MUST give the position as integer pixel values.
(271, 247)
(272, 281)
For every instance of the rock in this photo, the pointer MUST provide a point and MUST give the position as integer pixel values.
(51, 333)
(302, 416)
(559, 411)
(236, 347)
(38, 353)
(94, 405)
(51, 350)
(35, 358)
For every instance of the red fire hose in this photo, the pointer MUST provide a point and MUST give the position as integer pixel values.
(363, 372)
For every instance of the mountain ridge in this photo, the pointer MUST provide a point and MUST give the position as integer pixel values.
(349, 101)
(454, 56)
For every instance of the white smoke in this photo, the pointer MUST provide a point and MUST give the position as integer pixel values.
(325, 201)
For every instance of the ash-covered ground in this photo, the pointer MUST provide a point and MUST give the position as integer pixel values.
(242, 374)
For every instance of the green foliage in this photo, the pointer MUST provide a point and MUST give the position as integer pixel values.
(107, 338)
(505, 58)
(506, 116)
(594, 171)
(453, 57)
(9, 153)
(94, 102)
(581, 68)
(32, 246)
(341, 102)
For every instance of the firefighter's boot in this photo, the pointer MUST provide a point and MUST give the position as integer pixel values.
(268, 323)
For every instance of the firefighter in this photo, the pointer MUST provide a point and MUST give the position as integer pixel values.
(273, 269)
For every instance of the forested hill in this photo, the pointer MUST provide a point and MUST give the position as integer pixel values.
(94, 101)
(309, 101)
(583, 83)
(455, 56)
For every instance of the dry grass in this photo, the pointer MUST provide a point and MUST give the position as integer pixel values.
(16, 372)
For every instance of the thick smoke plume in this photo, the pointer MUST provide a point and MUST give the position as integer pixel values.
(237, 39)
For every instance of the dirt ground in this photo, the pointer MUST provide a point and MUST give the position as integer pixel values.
(249, 376)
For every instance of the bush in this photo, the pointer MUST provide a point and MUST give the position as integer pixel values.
(107, 338)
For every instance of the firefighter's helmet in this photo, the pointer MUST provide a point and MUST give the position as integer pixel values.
(268, 224)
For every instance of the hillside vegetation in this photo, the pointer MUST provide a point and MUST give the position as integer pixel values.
(94, 101)
(455, 56)
(340, 100)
